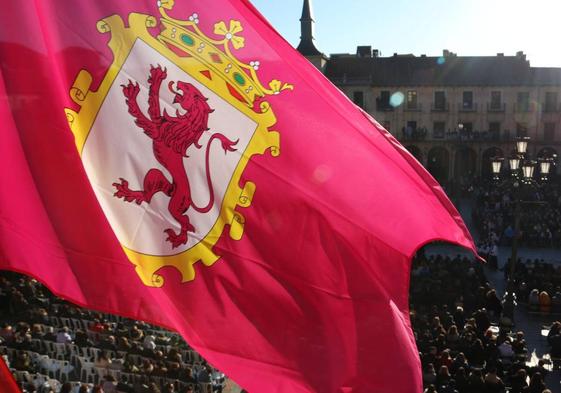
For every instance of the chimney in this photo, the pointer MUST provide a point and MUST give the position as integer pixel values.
(376, 53)
(364, 51)
(445, 52)
(500, 54)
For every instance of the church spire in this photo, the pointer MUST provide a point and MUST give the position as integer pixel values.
(306, 46)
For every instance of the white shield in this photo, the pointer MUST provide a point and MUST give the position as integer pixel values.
(117, 148)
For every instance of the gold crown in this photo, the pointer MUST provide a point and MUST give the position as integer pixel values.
(185, 39)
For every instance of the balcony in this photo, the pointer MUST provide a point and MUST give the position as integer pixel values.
(383, 105)
(467, 107)
(440, 107)
(551, 107)
(414, 134)
(412, 107)
(438, 134)
(455, 136)
(494, 108)
(524, 107)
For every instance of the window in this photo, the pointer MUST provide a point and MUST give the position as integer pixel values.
(412, 125)
(494, 126)
(385, 98)
(467, 100)
(550, 102)
(412, 99)
(496, 104)
(438, 129)
(468, 128)
(549, 132)
(439, 100)
(521, 129)
(358, 98)
(494, 130)
(523, 102)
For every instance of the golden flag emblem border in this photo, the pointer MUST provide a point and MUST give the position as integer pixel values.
(185, 45)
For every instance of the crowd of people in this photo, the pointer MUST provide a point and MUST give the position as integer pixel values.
(454, 314)
(53, 346)
(540, 223)
(538, 284)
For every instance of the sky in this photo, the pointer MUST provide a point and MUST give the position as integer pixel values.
(465, 27)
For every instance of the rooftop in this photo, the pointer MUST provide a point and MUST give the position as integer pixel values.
(366, 67)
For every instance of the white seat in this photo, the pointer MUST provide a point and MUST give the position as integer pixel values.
(88, 372)
(52, 367)
(65, 322)
(60, 348)
(76, 324)
(43, 361)
(23, 376)
(38, 380)
(64, 370)
(37, 344)
(49, 346)
(101, 371)
(114, 373)
(54, 321)
(94, 353)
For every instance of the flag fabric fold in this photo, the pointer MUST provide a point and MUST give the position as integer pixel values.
(7, 381)
(121, 120)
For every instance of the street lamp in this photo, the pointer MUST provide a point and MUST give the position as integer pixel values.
(514, 163)
(496, 164)
(528, 168)
(522, 144)
(521, 176)
(545, 167)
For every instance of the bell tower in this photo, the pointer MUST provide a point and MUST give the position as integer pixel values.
(307, 46)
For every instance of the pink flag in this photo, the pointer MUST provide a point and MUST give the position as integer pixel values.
(7, 381)
(180, 163)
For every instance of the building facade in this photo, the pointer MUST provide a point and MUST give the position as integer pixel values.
(452, 113)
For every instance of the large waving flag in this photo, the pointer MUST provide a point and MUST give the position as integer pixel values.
(180, 163)
(7, 381)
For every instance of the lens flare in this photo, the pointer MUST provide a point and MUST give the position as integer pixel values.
(397, 99)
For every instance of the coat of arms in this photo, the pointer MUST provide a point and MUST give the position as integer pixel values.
(167, 135)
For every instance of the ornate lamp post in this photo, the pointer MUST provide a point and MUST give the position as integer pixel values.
(521, 176)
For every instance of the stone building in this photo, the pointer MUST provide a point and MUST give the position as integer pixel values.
(452, 112)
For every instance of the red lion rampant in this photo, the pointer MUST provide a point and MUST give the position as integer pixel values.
(171, 137)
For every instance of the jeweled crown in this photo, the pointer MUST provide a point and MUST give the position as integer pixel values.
(185, 39)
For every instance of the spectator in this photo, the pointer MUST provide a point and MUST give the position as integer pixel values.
(545, 302)
(476, 383)
(443, 377)
(518, 382)
(519, 344)
(102, 360)
(66, 387)
(109, 385)
(63, 337)
(536, 384)
(493, 384)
